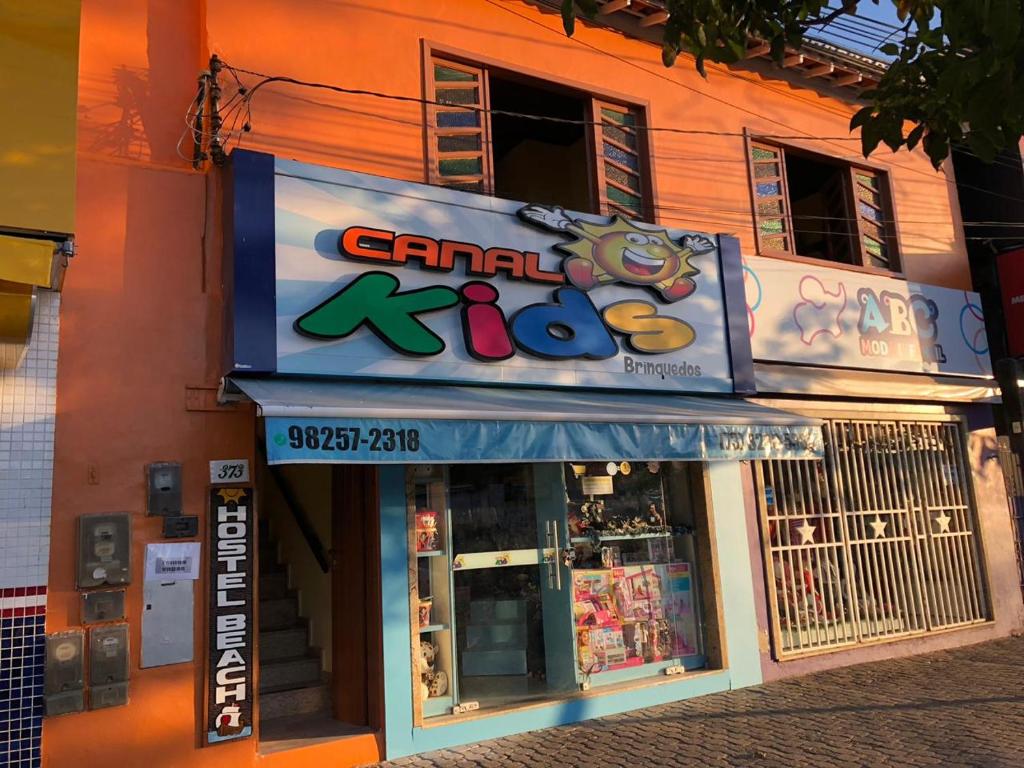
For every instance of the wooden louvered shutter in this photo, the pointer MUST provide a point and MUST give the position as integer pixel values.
(459, 146)
(620, 168)
(772, 218)
(874, 217)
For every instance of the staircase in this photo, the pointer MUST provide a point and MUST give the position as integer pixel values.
(291, 680)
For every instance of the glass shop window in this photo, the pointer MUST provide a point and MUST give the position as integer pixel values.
(534, 581)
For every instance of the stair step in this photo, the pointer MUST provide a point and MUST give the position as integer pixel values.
(274, 585)
(298, 672)
(278, 614)
(283, 643)
(295, 701)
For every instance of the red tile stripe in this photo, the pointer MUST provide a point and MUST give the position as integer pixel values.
(32, 610)
(22, 591)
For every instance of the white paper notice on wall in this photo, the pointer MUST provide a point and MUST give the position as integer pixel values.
(178, 561)
(229, 471)
(601, 485)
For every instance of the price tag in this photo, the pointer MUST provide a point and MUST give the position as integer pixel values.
(229, 471)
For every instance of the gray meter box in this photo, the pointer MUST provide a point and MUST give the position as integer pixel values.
(167, 622)
(104, 550)
(107, 605)
(63, 679)
(164, 481)
(108, 654)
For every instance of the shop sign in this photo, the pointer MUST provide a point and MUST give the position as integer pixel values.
(1011, 283)
(424, 441)
(838, 318)
(229, 696)
(381, 278)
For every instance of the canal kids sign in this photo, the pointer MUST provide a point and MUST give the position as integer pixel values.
(832, 317)
(374, 277)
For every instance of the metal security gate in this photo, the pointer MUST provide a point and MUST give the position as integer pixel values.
(875, 541)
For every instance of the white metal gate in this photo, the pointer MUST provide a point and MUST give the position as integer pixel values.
(875, 541)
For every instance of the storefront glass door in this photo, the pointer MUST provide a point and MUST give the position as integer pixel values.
(511, 594)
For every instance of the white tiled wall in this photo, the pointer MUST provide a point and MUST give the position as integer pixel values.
(27, 413)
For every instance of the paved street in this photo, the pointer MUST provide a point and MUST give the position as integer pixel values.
(953, 709)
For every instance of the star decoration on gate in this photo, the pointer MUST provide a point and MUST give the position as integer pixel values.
(943, 520)
(878, 525)
(806, 532)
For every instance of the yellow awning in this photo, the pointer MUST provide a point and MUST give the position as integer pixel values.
(26, 261)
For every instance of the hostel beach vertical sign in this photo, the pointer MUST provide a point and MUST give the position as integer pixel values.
(229, 694)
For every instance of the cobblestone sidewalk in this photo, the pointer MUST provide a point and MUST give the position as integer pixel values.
(955, 709)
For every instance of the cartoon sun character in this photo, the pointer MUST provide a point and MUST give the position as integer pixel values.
(622, 252)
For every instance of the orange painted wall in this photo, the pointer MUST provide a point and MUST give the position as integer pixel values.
(142, 302)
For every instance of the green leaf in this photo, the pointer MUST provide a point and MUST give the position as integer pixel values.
(914, 136)
(870, 136)
(936, 146)
(569, 17)
(862, 116)
(669, 54)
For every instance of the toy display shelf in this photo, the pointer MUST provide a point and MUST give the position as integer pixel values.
(433, 628)
(620, 537)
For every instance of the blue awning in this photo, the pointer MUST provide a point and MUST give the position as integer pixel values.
(330, 421)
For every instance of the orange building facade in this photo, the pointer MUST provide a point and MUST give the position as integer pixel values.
(754, 153)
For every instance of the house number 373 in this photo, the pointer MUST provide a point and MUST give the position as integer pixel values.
(230, 471)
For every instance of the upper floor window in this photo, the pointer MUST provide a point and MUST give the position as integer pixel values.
(815, 206)
(588, 154)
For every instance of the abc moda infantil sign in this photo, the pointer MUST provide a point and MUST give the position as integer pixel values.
(344, 274)
(839, 318)
(229, 669)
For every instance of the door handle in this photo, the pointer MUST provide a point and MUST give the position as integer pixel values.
(555, 563)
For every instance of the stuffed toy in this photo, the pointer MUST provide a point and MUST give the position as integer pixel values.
(432, 682)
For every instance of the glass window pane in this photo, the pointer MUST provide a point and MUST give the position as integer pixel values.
(462, 143)
(869, 196)
(758, 153)
(622, 198)
(442, 72)
(868, 212)
(467, 186)
(619, 135)
(621, 157)
(623, 118)
(618, 175)
(770, 189)
(457, 95)
(868, 181)
(769, 208)
(467, 166)
(776, 243)
(458, 119)
(771, 226)
(766, 169)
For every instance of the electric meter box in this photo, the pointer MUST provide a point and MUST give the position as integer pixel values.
(164, 483)
(63, 678)
(104, 550)
(105, 605)
(108, 654)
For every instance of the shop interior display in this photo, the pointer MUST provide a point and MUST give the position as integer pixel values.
(536, 580)
(633, 584)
